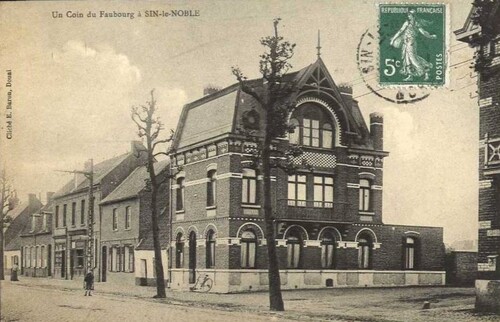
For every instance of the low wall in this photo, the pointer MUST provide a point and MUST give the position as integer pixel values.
(488, 296)
(229, 281)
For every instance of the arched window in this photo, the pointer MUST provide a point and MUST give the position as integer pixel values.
(410, 245)
(211, 192)
(327, 250)
(210, 248)
(294, 249)
(248, 249)
(180, 194)
(364, 252)
(249, 187)
(179, 251)
(313, 126)
(365, 203)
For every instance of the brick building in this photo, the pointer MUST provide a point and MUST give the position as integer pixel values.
(489, 137)
(126, 243)
(70, 229)
(21, 217)
(329, 222)
(36, 242)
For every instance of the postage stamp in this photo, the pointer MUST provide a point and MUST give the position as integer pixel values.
(412, 44)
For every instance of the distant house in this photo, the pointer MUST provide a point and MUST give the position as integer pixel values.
(21, 216)
(70, 227)
(126, 241)
(36, 242)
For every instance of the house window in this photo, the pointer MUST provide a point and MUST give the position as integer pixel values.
(33, 256)
(128, 259)
(33, 222)
(127, 217)
(248, 249)
(409, 251)
(313, 127)
(180, 194)
(131, 259)
(82, 212)
(210, 248)
(364, 252)
(115, 220)
(297, 190)
(44, 222)
(80, 256)
(179, 251)
(323, 192)
(249, 187)
(327, 250)
(42, 256)
(73, 214)
(57, 217)
(365, 203)
(65, 210)
(294, 249)
(211, 176)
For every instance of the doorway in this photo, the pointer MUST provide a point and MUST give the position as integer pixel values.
(104, 259)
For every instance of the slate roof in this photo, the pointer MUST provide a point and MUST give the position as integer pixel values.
(21, 216)
(100, 171)
(214, 115)
(134, 183)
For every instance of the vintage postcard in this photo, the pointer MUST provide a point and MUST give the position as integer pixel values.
(261, 160)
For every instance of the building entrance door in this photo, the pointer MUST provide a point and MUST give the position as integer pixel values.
(192, 257)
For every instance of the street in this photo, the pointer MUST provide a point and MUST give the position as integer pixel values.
(21, 303)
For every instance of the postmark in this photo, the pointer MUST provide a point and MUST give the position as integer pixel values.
(412, 45)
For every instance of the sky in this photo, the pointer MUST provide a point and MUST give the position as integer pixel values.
(74, 81)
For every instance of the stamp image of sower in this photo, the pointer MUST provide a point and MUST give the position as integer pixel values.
(412, 44)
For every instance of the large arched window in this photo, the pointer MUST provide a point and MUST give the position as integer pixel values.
(210, 248)
(313, 126)
(180, 194)
(365, 246)
(294, 249)
(327, 250)
(211, 191)
(248, 249)
(410, 253)
(179, 251)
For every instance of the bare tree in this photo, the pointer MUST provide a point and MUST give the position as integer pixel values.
(275, 96)
(7, 205)
(149, 127)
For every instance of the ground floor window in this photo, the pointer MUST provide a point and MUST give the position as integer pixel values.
(210, 247)
(179, 251)
(327, 250)
(248, 249)
(121, 259)
(364, 252)
(409, 251)
(294, 249)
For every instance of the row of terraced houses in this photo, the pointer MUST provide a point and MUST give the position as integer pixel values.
(328, 222)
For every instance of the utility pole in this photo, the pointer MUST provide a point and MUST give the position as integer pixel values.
(90, 218)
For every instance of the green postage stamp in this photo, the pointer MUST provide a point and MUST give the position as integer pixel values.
(412, 44)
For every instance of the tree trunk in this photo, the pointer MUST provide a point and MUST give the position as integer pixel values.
(275, 298)
(160, 277)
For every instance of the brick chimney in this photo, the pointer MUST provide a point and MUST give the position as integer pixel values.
(377, 130)
(32, 199)
(49, 196)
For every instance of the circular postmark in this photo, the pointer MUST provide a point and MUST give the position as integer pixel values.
(367, 60)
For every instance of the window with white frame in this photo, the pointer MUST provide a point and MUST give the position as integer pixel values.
(248, 243)
(211, 188)
(365, 202)
(180, 194)
(297, 190)
(115, 220)
(127, 217)
(364, 252)
(410, 253)
(323, 191)
(249, 187)
(312, 126)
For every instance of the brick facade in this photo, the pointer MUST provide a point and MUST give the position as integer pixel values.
(353, 165)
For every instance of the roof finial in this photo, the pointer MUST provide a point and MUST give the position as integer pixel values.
(319, 44)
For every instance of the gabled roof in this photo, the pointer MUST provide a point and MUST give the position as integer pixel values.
(471, 29)
(101, 169)
(218, 113)
(134, 183)
(21, 216)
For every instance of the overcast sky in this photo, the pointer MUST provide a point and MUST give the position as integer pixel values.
(74, 81)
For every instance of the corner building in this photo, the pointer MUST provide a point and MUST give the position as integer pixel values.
(329, 226)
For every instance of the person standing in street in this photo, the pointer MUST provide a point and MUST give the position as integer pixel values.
(13, 274)
(88, 282)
